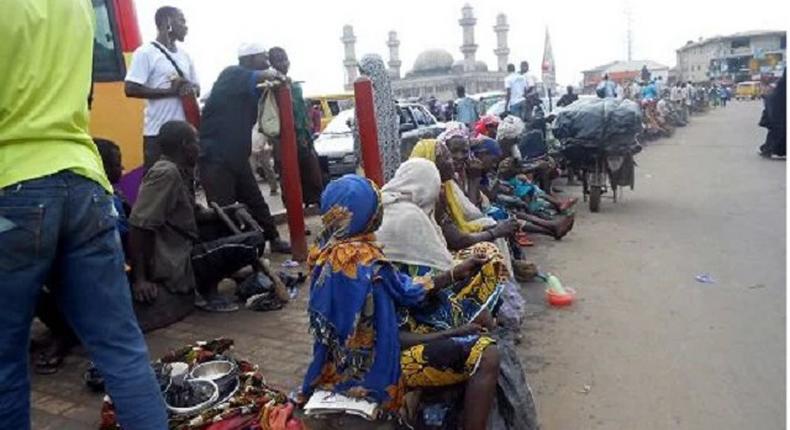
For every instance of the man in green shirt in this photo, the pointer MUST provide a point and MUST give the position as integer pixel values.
(57, 220)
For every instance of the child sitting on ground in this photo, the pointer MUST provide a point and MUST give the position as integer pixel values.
(542, 212)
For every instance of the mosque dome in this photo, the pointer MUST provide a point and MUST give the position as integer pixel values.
(459, 66)
(433, 61)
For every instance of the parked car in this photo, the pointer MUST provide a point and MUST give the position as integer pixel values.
(499, 107)
(487, 99)
(335, 145)
(416, 123)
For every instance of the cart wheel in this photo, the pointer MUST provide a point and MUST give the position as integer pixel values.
(595, 198)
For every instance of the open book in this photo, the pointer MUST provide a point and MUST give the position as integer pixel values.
(325, 402)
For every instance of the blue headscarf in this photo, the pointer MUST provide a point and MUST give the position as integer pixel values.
(487, 146)
(354, 322)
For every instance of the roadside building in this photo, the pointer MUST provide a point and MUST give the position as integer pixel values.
(752, 55)
(622, 72)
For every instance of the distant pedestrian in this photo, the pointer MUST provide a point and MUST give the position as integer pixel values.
(315, 116)
(515, 92)
(649, 92)
(531, 96)
(775, 120)
(645, 74)
(57, 219)
(636, 91)
(161, 72)
(310, 172)
(466, 110)
(606, 88)
(567, 98)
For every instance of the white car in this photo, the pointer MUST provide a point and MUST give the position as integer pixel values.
(336, 142)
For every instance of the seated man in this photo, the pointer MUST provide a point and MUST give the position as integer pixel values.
(168, 258)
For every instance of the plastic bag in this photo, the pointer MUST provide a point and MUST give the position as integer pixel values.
(600, 122)
(514, 408)
(268, 115)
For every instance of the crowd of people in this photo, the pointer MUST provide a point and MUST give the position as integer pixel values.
(412, 284)
(99, 271)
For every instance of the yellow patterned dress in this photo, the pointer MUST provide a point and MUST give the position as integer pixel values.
(451, 360)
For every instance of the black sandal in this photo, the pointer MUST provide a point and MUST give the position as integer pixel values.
(47, 364)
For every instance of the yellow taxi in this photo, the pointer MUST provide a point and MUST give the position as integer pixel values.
(331, 105)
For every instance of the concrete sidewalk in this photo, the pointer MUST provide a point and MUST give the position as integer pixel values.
(277, 341)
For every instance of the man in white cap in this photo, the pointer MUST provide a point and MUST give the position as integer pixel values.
(161, 72)
(226, 142)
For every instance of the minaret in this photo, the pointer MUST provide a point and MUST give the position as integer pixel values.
(350, 62)
(394, 63)
(501, 51)
(469, 48)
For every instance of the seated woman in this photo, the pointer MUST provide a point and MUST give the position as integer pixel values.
(486, 127)
(354, 299)
(528, 149)
(463, 223)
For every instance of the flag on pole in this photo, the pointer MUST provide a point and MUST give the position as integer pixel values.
(548, 63)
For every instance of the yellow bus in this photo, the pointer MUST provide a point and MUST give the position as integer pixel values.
(113, 115)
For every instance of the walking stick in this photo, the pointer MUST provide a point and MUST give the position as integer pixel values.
(259, 266)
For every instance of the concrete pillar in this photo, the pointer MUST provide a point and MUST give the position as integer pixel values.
(394, 63)
(469, 48)
(502, 51)
(350, 60)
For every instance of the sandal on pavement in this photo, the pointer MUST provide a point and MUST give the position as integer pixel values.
(47, 364)
(216, 305)
(567, 204)
(280, 246)
(522, 239)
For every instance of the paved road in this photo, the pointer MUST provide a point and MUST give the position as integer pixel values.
(655, 348)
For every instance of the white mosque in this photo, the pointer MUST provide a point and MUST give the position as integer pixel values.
(436, 72)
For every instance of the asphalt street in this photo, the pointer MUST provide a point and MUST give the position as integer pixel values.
(646, 346)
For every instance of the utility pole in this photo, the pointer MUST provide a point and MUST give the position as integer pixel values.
(629, 18)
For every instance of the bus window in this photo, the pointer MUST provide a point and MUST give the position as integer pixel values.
(107, 59)
(334, 106)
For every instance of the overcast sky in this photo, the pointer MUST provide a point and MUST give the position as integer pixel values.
(584, 34)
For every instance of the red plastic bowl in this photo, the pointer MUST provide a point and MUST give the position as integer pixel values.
(555, 299)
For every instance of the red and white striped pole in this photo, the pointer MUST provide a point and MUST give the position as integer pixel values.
(368, 132)
(291, 179)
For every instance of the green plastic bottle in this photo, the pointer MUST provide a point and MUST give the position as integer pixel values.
(554, 285)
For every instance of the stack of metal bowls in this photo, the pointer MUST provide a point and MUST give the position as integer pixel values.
(224, 373)
(205, 385)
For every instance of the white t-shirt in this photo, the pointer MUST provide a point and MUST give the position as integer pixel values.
(152, 69)
(530, 80)
(517, 84)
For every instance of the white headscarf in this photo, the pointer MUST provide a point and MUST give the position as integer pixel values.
(409, 231)
(510, 128)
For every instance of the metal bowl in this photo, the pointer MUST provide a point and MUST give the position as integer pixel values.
(214, 370)
(193, 410)
(223, 372)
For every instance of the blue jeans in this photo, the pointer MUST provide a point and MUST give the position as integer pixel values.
(518, 109)
(63, 227)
